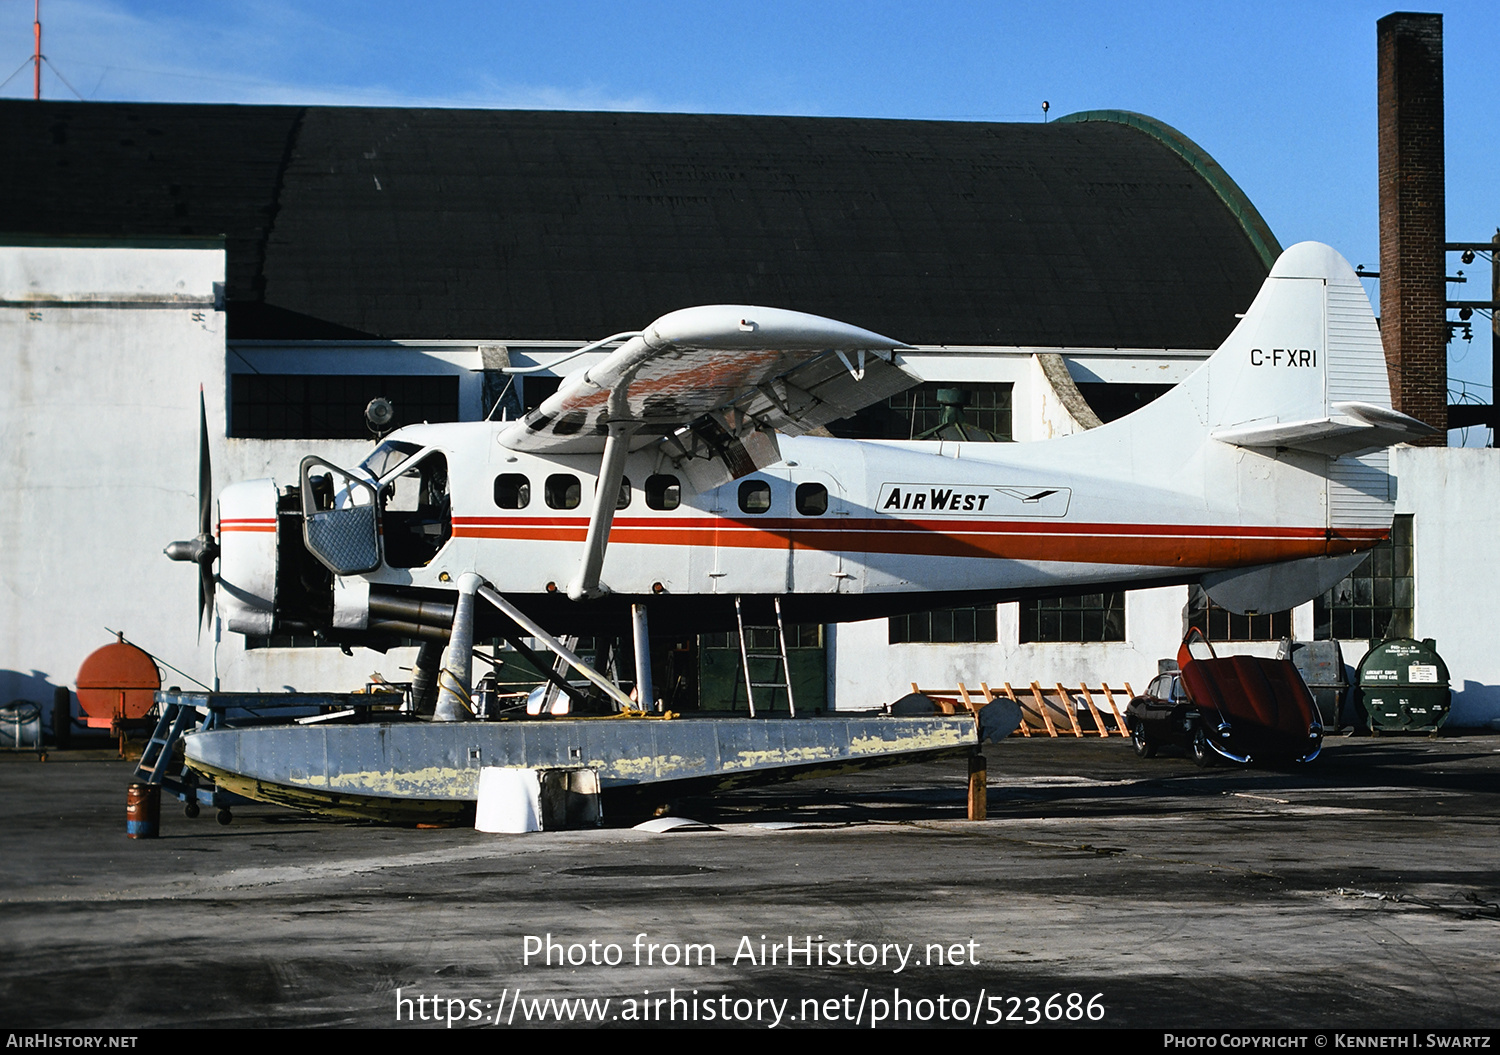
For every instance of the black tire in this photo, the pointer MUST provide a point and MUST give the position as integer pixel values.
(1203, 755)
(224, 816)
(1144, 748)
(191, 809)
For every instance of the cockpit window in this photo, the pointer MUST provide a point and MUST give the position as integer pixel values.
(387, 456)
(416, 514)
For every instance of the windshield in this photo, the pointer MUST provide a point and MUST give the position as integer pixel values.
(387, 456)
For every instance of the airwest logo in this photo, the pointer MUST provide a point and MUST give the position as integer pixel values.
(1021, 500)
(1284, 357)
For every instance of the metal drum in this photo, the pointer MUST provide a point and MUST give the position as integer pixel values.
(142, 811)
(1404, 685)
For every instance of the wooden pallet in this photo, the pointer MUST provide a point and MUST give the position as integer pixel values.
(1047, 711)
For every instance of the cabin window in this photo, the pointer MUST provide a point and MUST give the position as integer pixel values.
(1090, 617)
(623, 499)
(946, 626)
(755, 496)
(812, 500)
(663, 491)
(512, 491)
(563, 491)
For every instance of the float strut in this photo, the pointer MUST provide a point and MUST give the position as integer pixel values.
(644, 690)
(456, 677)
(424, 677)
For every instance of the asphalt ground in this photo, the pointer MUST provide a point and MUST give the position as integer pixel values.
(1359, 892)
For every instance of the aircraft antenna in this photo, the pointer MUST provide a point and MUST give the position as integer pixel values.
(36, 55)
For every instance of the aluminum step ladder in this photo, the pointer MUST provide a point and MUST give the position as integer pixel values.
(156, 760)
(560, 668)
(747, 653)
(159, 764)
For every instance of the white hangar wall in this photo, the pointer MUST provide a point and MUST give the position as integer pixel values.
(865, 669)
(104, 348)
(1453, 497)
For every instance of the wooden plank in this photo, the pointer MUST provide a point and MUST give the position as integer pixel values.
(964, 692)
(1098, 718)
(1119, 718)
(1041, 705)
(1011, 693)
(1067, 703)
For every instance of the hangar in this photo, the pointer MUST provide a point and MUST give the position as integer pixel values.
(297, 261)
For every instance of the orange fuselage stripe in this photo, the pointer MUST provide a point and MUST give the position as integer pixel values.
(248, 524)
(1155, 545)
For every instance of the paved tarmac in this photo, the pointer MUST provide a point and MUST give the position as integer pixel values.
(1361, 891)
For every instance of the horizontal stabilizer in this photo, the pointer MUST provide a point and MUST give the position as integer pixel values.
(1352, 427)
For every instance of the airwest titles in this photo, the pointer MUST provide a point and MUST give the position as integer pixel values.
(942, 499)
(922, 499)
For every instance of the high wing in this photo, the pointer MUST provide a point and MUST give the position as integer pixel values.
(712, 377)
(712, 384)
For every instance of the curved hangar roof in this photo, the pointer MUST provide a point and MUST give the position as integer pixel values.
(1102, 229)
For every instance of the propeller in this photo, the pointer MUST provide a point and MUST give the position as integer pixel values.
(202, 549)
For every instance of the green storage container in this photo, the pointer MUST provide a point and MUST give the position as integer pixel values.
(1404, 684)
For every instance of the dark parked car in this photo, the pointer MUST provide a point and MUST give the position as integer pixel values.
(1163, 716)
(1240, 708)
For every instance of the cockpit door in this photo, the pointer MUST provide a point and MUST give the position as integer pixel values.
(339, 527)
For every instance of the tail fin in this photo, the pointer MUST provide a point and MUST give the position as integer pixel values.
(1304, 369)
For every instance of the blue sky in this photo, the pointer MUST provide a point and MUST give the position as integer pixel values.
(1281, 94)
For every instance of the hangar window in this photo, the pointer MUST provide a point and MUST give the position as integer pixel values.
(663, 491)
(945, 626)
(512, 491)
(1375, 601)
(984, 410)
(1091, 617)
(1111, 400)
(755, 496)
(812, 500)
(563, 491)
(332, 406)
(1220, 624)
(285, 640)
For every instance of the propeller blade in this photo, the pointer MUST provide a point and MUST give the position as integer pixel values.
(206, 583)
(205, 515)
(205, 471)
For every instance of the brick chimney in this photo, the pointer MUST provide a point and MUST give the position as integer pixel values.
(1412, 218)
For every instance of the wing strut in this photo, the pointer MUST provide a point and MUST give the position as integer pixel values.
(532, 627)
(606, 496)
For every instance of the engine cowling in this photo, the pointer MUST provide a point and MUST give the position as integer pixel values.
(248, 557)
